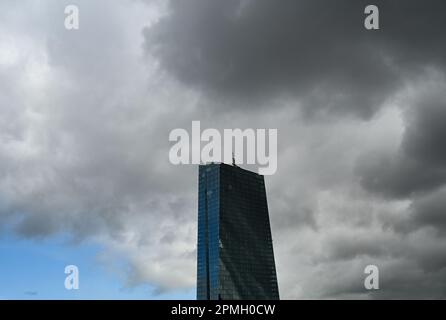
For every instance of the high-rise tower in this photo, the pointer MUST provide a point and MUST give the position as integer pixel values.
(235, 250)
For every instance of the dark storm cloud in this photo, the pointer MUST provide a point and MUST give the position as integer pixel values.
(249, 52)
(415, 172)
(420, 163)
(431, 211)
(416, 259)
(425, 212)
(425, 138)
(398, 176)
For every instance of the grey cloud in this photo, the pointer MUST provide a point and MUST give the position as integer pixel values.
(425, 138)
(430, 210)
(248, 53)
(398, 276)
(417, 257)
(425, 211)
(398, 175)
(419, 165)
(85, 149)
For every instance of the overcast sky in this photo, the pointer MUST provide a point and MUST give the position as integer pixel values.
(361, 179)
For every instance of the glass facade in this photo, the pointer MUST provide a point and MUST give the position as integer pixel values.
(235, 251)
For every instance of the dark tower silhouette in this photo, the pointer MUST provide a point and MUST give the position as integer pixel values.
(235, 250)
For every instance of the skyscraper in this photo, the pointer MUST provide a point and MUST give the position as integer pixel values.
(235, 250)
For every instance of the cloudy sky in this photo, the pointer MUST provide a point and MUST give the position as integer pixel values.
(85, 117)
